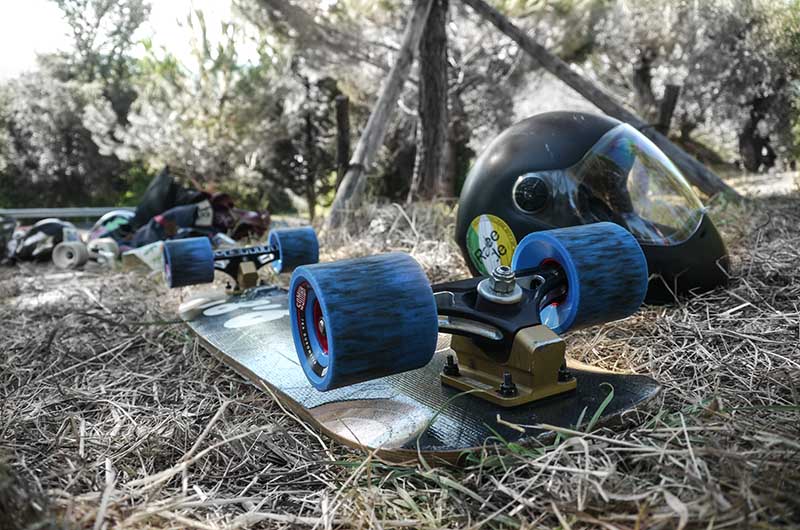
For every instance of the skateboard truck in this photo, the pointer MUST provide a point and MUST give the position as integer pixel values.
(193, 261)
(506, 326)
(505, 354)
(242, 264)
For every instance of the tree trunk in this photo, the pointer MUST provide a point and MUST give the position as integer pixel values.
(459, 153)
(667, 108)
(342, 136)
(754, 148)
(310, 157)
(350, 190)
(430, 170)
(695, 172)
(643, 84)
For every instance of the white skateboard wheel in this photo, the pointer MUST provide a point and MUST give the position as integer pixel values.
(70, 255)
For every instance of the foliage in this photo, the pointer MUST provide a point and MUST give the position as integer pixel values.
(94, 122)
(48, 151)
(356, 43)
(207, 122)
(735, 83)
(102, 35)
(254, 130)
(785, 32)
(308, 147)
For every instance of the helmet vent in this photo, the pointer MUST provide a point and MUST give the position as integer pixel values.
(530, 193)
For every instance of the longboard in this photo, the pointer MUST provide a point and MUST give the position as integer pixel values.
(399, 416)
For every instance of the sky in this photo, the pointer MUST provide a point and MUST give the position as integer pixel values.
(28, 27)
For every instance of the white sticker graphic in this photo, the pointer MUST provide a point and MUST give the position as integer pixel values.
(256, 317)
(205, 214)
(223, 309)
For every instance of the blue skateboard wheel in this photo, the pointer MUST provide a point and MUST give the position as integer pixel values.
(295, 246)
(605, 268)
(188, 261)
(360, 319)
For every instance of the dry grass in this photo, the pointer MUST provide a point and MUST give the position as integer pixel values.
(112, 416)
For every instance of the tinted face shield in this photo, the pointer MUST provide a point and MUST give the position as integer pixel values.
(624, 178)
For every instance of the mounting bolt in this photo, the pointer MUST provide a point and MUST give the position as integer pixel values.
(564, 374)
(507, 387)
(450, 367)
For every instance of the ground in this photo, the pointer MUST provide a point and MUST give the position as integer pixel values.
(112, 415)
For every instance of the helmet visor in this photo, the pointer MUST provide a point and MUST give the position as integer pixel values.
(626, 179)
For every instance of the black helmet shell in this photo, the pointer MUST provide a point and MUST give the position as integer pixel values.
(520, 184)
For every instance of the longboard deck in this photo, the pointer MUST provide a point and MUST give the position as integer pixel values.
(397, 415)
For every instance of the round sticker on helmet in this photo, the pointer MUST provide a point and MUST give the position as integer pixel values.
(490, 243)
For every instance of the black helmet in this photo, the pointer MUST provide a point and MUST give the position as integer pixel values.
(569, 168)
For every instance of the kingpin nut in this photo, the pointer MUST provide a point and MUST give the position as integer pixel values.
(503, 280)
(501, 286)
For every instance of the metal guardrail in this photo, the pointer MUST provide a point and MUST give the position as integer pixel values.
(61, 213)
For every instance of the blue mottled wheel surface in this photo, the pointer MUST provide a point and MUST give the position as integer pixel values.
(296, 246)
(360, 319)
(605, 268)
(188, 261)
